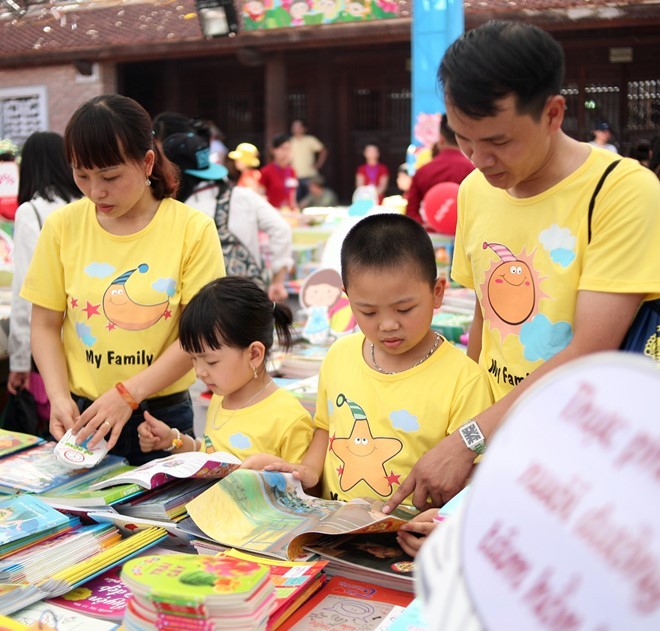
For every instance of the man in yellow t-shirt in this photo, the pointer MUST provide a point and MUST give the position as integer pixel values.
(547, 290)
(308, 154)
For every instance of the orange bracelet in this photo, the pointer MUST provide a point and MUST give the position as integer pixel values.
(126, 395)
(176, 442)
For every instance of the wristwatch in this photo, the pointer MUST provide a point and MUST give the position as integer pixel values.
(472, 437)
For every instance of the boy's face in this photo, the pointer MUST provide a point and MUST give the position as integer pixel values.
(510, 149)
(394, 308)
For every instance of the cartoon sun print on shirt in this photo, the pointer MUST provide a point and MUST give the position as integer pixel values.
(364, 455)
(126, 313)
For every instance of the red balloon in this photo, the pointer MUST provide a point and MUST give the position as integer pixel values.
(440, 204)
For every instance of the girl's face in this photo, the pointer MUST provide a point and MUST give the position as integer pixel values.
(282, 154)
(321, 295)
(117, 191)
(225, 370)
(371, 154)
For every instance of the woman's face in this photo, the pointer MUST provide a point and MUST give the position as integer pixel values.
(117, 191)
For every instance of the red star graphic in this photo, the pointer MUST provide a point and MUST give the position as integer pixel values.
(91, 309)
(167, 314)
(110, 326)
(74, 303)
(393, 478)
(332, 438)
(340, 470)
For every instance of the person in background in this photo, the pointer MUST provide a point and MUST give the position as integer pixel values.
(228, 331)
(279, 180)
(373, 172)
(448, 165)
(246, 162)
(403, 180)
(167, 123)
(308, 155)
(241, 211)
(8, 179)
(45, 184)
(319, 196)
(108, 283)
(547, 291)
(641, 151)
(603, 136)
(216, 143)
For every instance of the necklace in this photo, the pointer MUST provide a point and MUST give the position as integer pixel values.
(436, 343)
(231, 416)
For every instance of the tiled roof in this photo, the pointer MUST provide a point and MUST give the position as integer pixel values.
(134, 29)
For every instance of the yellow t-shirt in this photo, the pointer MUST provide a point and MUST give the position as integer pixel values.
(303, 155)
(380, 425)
(278, 425)
(121, 295)
(528, 258)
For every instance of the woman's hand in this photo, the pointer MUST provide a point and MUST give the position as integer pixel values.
(18, 381)
(63, 413)
(277, 292)
(105, 418)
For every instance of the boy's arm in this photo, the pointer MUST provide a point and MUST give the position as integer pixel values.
(601, 322)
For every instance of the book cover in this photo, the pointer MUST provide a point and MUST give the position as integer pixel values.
(26, 515)
(268, 513)
(348, 605)
(191, 464)
(11, 442)
(46, 616)
(37, 470)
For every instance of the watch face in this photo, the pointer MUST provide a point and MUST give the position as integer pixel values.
(471, 435)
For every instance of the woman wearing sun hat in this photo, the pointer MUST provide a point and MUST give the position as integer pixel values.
(246, 161)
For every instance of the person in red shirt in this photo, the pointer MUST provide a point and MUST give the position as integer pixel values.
(449, 165)
(278, 179)
(373, 172)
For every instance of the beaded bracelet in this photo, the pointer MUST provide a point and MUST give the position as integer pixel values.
(126, 395)
(176, 442)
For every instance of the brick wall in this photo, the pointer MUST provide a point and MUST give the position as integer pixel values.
(65, 89)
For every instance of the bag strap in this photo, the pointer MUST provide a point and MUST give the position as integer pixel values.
(36, 214)
(592, 202)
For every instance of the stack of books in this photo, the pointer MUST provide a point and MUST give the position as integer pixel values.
(303, 360)
(11, 442)
(186, 591)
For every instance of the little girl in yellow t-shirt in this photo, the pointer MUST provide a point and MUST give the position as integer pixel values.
(227, 328)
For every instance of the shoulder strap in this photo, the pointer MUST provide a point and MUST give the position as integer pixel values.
(592, 202)
(36, 214)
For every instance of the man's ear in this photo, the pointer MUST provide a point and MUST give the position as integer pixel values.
(554, 110)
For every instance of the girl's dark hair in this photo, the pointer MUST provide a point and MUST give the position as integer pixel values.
(44, 170)
(112, 129)
(235, 312)
(279, 140)
(388, 241)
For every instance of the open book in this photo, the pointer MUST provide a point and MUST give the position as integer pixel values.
(268, 513)
(191, 464)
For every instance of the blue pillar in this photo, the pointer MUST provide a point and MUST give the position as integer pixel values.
(435, 25)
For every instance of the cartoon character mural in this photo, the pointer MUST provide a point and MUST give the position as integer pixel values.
(123, 311)
(363, 455)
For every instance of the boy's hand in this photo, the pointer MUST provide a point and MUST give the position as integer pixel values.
(153, 434)
(307, 477)
(413, 534)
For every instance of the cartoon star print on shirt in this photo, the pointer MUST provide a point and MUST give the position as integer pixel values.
(363, 455)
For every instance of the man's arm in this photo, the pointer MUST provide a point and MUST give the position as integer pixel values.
(601, 322)
(474, 336)
(321, 157)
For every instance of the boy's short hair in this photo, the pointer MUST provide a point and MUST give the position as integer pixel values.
(499, 59)
(388, 241)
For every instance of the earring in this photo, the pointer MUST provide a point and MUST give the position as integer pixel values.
(147, 182)
(254, 370)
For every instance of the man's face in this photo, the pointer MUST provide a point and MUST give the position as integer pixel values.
(510, 149)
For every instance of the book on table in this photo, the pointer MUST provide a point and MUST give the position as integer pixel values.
(267, 512)
(46, 616)
(37, 470)
(11, 442)
(191, 464)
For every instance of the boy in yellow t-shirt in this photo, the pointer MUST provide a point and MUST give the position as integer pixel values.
(392, 392)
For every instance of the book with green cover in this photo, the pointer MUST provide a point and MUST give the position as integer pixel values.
(77, 494)
(11, 442)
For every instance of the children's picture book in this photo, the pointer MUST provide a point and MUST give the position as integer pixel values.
(77, 494)
(11, 442)
(49, 617)
(191, 464)
(348, 605)
(376, 558)
(26, 515)
(37, 470)
(267, 512)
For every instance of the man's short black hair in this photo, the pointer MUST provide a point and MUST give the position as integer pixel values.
(388, 241)
(499, 59)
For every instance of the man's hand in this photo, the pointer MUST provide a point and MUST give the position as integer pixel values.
(439, 474)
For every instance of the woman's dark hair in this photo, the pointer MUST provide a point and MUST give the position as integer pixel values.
(112, 129)
(388, 241)
(44, 170)
(235, 312)
(499, 59)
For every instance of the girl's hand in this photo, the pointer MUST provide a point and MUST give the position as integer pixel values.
(153, 434)
(422, 525)
(307, 476)
(63, 413)
(262, 461)
(105, 418)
